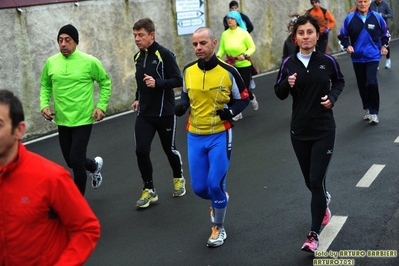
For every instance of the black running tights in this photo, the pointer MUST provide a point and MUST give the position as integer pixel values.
(73, 142)
(314, 157)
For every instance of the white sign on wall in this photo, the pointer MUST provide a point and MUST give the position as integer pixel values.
(190, 15)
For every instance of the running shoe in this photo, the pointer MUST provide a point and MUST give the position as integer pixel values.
(388, 63)
(217, 237)
(311, 243)
(373, 119)
(96, 177)
(148, 196)
(179, 187)
(366, 115)
(252, 84)
(327, 215)
(238, 117)
(254, 104)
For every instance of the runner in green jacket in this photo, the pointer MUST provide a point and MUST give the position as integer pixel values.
(69, 78)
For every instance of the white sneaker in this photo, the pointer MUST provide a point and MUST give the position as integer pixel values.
(252, 84)
(373, 120)
(238, 117)
(366, 115)
(96, 177)
(217, 237)
(254, 104)
(388, 63)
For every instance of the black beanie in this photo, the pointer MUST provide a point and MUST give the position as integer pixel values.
(71, 31)
(312, 1)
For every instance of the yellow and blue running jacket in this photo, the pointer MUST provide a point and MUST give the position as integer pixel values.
(208, 87)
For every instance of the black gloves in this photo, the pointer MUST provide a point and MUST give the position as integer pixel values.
(180, 109)
(225, 114)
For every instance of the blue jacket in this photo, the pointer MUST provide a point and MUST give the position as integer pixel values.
(366, 37)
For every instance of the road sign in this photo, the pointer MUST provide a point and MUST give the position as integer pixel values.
(190, 15)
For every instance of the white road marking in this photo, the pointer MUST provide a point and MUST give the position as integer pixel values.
(330, 231)
(56, 134)
(397, 140)
(371, 175)
(39, 139)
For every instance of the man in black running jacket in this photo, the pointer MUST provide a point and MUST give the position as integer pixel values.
(157, 74)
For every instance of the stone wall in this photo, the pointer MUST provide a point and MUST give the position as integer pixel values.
(105, 28)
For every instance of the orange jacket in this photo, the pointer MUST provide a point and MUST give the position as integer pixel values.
(324, 21)
(44, 220)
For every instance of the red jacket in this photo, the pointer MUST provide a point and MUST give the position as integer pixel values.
(325, 20)
(44, 220)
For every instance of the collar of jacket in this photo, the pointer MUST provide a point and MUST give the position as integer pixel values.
(14, 162)
(153, 47)
(367, 15)
(212, 63)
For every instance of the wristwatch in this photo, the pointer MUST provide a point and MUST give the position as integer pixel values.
(245, 55)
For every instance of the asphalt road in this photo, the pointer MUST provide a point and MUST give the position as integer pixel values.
(268, 215)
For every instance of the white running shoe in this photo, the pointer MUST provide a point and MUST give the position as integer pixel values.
(96, 177)
(217, 237)
(254, 104)
(388, 63)
(238, 117)
(252, 84)
(374, 120)
(366, 115)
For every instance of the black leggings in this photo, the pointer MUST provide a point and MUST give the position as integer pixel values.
(246, 74)
(144, 131)
(314, 157)
(73, 142)
(322, 43)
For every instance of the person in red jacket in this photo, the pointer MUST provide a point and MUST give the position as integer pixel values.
(44, 219)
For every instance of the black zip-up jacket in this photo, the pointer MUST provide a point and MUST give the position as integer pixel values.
(160, 63)
(310, 120)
